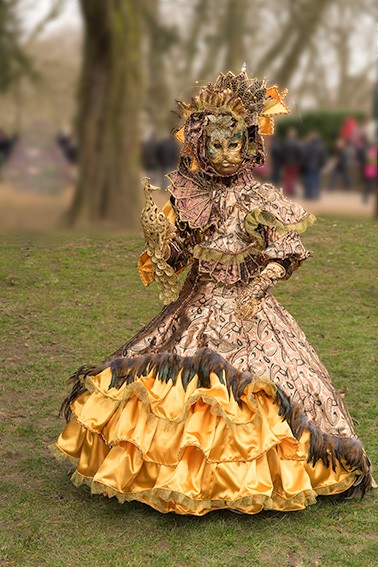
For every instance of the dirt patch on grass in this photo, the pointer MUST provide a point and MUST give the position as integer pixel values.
(20, 210)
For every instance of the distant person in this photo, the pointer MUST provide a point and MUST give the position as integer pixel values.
(150, 161)
(275, 153)
(167, 154)
(366, 131)
(6, 146)
(291, 161)
(366, 139)
(313, 159)
(69, 146)
(2, 149)
(342, 164)
(349, 130)
(72, 150)
(368, 161)
(351, 157)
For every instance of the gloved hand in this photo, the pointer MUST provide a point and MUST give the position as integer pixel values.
(249, 302)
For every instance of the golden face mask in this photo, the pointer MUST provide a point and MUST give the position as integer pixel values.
(225, 141)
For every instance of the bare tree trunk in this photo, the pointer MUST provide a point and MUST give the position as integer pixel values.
(158, 99)
(109, 102)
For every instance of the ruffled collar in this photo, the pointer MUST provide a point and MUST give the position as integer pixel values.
(197, 197)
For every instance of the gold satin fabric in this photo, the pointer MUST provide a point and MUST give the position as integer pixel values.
(192, 451)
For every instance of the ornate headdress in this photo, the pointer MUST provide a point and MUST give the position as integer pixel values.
(248, 101)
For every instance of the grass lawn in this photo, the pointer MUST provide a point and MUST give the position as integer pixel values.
(69, 300)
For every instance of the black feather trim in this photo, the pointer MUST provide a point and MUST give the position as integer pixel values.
(77, 389)
(348, 452)
(330, 449)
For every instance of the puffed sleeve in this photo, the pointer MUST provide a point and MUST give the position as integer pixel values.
(279, 224)
(286, 249)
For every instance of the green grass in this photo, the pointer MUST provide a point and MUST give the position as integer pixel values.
(70, 300)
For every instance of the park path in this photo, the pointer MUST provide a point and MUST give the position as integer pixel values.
(341, 202)
(36, 183)
(37, 164)
(34, 211)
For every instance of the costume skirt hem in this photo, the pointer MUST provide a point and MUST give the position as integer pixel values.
(194, 447)
(165, 500)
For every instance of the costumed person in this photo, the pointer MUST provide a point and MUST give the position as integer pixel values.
(220, 401)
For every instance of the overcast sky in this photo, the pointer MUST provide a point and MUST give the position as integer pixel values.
(33, 11)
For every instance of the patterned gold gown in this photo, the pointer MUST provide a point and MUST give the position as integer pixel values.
(204, 409)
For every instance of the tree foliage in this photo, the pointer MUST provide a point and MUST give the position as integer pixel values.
(14, 61)
(327, 123)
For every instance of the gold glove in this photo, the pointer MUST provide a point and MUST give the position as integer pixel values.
(249, 302)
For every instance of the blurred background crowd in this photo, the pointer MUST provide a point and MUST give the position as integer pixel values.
(87, 88)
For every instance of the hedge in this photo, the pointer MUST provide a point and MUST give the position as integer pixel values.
(327, 122)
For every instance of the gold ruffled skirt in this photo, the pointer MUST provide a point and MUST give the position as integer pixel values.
(191, 449)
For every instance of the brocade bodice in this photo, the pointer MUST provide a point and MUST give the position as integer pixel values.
(238, 228)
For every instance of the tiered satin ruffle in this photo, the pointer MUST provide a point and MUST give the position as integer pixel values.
(193, 451)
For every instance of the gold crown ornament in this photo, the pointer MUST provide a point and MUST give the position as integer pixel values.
(250, 103)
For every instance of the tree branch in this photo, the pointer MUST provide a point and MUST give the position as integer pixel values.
(55, 11)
